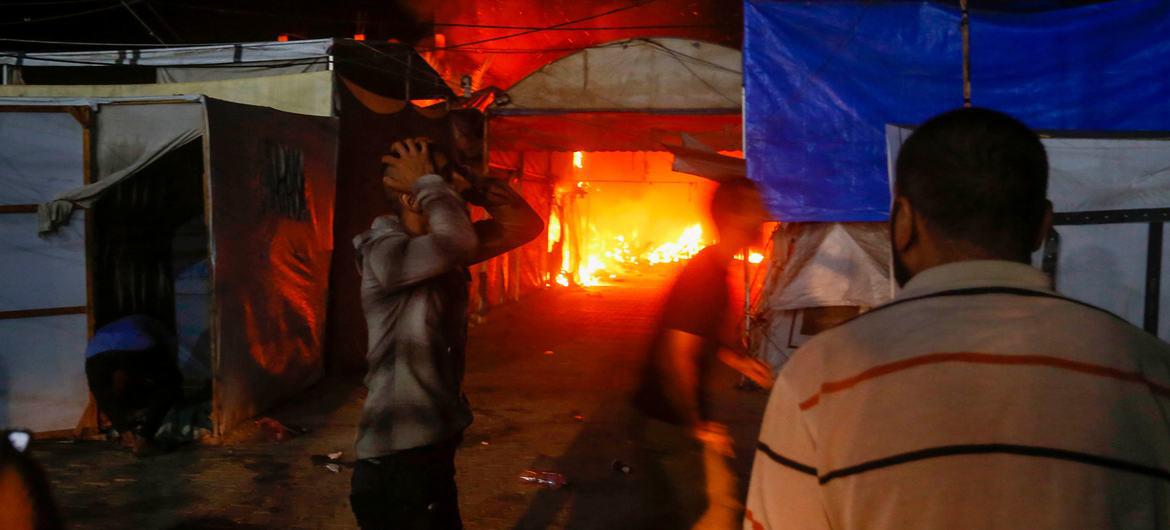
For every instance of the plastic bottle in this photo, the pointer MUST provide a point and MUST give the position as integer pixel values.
(544, 479)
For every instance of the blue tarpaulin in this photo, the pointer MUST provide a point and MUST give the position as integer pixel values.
(823, 78)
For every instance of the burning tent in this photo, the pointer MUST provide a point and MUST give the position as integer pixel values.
(588, 132)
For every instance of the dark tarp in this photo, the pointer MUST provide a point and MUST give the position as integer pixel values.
(271, 187)
(610, 131)
(822, 80)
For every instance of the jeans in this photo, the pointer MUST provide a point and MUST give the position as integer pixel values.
(408, 490)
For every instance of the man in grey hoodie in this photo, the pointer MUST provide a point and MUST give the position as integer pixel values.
(413, 264)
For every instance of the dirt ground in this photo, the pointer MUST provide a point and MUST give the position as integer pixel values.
(567, 411)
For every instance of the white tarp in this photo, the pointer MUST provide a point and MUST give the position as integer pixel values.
(1105, 264)
(830, 264)
(642, 74)
(132, 137)
(42, 360)
(300, 51)
(310, 93)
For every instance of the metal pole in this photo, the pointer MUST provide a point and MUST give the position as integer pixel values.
(1153, 278)
(965, 28)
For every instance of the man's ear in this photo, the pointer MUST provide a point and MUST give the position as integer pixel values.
(903, 228)
(1045, 227)
(407, 201)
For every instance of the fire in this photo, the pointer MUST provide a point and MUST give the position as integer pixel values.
(578, 159)
(687, 245)
(755, 258)
(608, 259)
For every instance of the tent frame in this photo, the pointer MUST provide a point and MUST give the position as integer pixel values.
(1155, 218)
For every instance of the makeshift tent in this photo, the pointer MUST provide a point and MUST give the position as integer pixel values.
(214, 217)
(1111, 194)
(366, 85)
(823, 78)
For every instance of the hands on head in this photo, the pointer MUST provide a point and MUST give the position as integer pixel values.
(410, 160)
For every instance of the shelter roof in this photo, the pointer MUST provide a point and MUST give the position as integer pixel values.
(636, 74)
(389, 69)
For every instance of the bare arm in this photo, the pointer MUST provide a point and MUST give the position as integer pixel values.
(513, 221)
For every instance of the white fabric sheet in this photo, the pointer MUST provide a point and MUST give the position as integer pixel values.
(132, 137)
(42, 372)
(40, 156)
(1104, 265)
(663, 73)
(40, 273)
(211, 54)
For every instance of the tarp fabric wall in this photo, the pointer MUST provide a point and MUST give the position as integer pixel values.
(1104, 265)
(310, 93)
(42, 368)
(272, 187)
(823, 78)
(212, 54)
(132, 137)
(637, 74)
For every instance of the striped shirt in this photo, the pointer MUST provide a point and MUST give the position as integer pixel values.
(979, 398)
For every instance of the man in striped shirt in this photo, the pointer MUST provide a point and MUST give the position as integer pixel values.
(979, 397)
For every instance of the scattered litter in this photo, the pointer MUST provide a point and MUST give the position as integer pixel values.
(330, 461)
(333, 467)
(278, 431)
(621, 467)
(548, 352)
(545, 479)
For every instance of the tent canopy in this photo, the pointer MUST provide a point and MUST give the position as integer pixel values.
(392, 70)
(823, 78)
(630, 95)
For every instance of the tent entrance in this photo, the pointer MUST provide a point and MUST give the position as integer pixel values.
(149, 248)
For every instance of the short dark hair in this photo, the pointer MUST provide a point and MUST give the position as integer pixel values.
(979, 176)
(729, 197)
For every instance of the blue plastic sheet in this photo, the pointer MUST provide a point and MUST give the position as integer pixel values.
(823, 78)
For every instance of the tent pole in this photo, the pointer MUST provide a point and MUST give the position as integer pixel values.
(965, 29)
(1153, 278)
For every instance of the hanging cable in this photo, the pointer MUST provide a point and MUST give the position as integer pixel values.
(68, 15)
(149, 31)
(639, 3)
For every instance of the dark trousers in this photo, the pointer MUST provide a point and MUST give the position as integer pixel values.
(134, 389)
(409, 490)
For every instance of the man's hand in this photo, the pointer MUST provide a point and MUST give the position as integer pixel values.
(752, 368)
(714, 437)
(412, 162)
